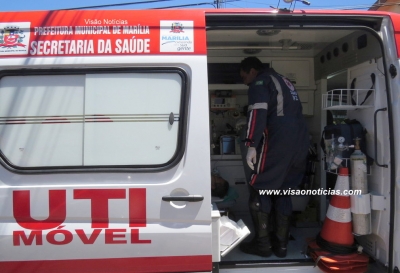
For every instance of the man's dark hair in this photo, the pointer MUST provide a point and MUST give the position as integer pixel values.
(221, 189)
(251, 62)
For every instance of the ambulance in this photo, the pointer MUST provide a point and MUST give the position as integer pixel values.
(111, 122)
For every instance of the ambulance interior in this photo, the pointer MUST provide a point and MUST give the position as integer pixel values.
(317, 60)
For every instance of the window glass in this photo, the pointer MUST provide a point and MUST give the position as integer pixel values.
(130, 122)
(41, 120)
(93, 119)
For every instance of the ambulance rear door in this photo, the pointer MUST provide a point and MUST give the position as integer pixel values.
(390, 35)
(383, 124)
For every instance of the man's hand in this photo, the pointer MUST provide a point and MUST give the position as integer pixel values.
(251, 157)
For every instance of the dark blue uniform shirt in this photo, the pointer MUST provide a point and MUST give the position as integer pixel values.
(277, 129)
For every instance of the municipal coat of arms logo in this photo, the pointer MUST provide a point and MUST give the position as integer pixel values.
(13, 38)
(176, 27)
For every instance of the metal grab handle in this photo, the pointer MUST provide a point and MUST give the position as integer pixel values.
(188, 198)
(376, 139)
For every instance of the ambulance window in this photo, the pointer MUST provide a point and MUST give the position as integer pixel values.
(130, 114)
(41, 120)
(83, 120)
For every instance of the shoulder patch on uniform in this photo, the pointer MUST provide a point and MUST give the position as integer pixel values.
(259, 83)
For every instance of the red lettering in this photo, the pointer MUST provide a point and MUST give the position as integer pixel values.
(137, 207)
(66, 234)
(135, 238)
(110, 236)
(63, 237)
(20, 234)
(22, 210)
(99, 202)
(91, 239)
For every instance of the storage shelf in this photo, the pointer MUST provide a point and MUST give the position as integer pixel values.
(227, 87)
(348, 99)
(226, 157)
(346, 107)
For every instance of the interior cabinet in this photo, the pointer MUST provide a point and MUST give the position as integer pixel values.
(298, 72)
(307, 101)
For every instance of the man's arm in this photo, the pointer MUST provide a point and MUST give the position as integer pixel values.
(257, 119)
(257, 113)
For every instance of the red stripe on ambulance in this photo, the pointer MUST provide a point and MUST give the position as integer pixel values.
(121, 265)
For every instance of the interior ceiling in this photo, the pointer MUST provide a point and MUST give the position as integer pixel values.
(286, 42)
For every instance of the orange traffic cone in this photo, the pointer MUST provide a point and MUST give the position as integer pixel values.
(337, 227)
(334, 249)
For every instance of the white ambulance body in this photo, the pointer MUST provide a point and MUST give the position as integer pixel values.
(109, 125)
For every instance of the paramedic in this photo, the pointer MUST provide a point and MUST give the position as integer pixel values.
(277, 141)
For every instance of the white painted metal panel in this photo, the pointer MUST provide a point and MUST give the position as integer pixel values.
(379, 179)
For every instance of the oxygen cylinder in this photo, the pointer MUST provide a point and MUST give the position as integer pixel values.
(360, 203)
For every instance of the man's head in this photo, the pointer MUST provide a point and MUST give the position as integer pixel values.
(219, 186)
(249, 68)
